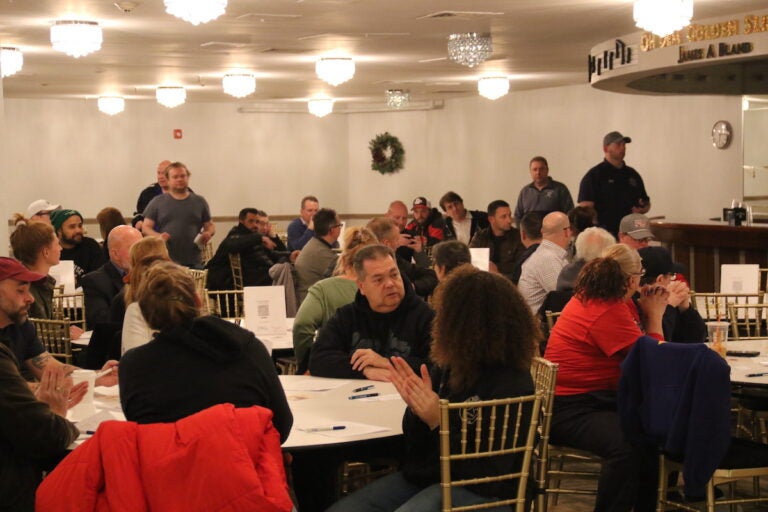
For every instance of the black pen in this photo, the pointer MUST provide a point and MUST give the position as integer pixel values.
(367, 395)
(364, 388)
(757, 374)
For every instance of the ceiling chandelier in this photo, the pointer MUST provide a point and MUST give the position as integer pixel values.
(111, 105)
(335, 70)
(196, 11)
(320, 107)
(171, 96)
(469, 49)
(493, 87)
(76, 38)
(239, 85)
(663, 17)
(398, 98)
(11, 61)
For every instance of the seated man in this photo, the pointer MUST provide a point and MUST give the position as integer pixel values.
(40, 210)
(449, 255)
(386, 319)
(681, 323)
(539, 274)
(501, 238)
(246, 240)
(589, 245)
(267, 230)
(460, 221)
(635, 231)
(102, 285)
(427, 224)
(302, 228)
(317, 256)
(530, 237)
(84, 251)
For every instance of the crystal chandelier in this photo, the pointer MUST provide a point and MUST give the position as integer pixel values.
(398, 98)
(196, 11)
(335, 70)
(11, 61)
(493, 87)
(171, 96)
(239, 85)
(469, 49)
(111, 105)
(320, 107)
(76, 38)
(663, 17)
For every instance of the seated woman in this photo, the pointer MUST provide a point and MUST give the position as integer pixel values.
(484, 341)
(194, 362)
(143, 253)
(595, 331)
(449, 255)
(326, 296)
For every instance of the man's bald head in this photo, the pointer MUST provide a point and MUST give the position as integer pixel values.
(398, 213)
(556, 228)
(120, 241)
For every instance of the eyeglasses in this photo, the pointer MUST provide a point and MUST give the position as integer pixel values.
(641, 273)
(337, 226)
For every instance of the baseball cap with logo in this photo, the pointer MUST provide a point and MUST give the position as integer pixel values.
(636, 225)
(41, 206)
(612, 137)
(13, 269)
(421, 202)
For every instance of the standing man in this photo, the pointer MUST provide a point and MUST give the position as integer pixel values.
(540, 271)
(302, 228)
(613, 188)
(84, 251)
(155, 189)
(501, 238)
(543, 195)
(102, 285)
(180, 217)
(462, 223)
(317, 257)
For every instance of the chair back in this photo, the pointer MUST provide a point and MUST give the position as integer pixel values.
(551, 319)
(488, 430)
(544, 375)
(227, 304)
(714, 306)
(207, 253)
(201, 280)
(237, 270)
(70, 306)
(748, 321)
(55, 337)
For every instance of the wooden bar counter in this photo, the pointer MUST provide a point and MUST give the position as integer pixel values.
(703, 246)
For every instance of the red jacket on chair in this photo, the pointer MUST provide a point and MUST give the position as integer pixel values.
(220, 459)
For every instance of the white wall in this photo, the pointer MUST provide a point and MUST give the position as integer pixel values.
(68, 152)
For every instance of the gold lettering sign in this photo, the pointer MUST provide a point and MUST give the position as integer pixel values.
(713, 31)
(755, 24)
(694, 33)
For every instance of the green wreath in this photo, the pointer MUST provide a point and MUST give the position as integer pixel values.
(387, 154)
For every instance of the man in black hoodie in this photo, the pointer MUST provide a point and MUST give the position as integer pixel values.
(386, 319)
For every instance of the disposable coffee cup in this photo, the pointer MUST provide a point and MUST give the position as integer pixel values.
(717, 333)
(86, 407)
(199, 241)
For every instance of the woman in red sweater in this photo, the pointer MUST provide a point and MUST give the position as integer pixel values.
(594, 333)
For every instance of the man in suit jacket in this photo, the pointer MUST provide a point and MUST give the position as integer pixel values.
(101, 285)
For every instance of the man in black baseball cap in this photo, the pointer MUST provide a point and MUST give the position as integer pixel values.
(613, 188)
(681, 323)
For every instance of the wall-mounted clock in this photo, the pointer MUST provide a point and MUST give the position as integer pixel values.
(722, 134)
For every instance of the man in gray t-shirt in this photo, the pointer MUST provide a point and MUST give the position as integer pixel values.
(179, 216)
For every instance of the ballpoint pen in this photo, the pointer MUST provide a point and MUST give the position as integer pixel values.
(324, 429)
(105, 372)
(757, 374)
(366, 395)
(364, 388)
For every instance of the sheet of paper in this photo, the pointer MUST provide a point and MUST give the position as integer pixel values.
(739, 278)
(264, 308)
(480, 257)
(64, 273)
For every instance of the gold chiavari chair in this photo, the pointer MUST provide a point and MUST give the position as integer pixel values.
(201, 280)
(207, 253)
(748, 321)
(227, 304)
(489, 429)
(70, 306)
(55, 337)
(551, 319)
(236, 266)
(714, 306)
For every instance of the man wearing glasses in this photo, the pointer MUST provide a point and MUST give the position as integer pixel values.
(318, 256)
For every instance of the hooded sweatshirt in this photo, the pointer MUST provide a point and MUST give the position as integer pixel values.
(404, 332)
(186, 369)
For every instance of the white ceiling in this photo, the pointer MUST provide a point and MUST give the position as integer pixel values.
(396, 44)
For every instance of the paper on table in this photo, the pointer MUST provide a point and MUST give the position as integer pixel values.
(480, 257)
(92, 422)
(351, 429)
(380, 398)
(312, 384)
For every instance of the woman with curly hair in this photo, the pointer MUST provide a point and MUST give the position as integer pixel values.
(484, 339)
(594, 333)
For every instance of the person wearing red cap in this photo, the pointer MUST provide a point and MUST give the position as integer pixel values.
(427, 223)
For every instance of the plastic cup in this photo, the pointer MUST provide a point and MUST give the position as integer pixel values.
(717, 333)
(86, 407)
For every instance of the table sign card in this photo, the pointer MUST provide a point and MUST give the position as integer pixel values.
(64, 273)
(739, 278)
(264, 308)
(480, 257)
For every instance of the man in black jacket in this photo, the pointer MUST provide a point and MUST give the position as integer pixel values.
(386, 319)
(461, 222)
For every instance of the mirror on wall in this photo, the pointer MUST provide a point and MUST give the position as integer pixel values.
(755, 137)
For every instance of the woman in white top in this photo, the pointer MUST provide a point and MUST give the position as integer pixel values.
(136, 332)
